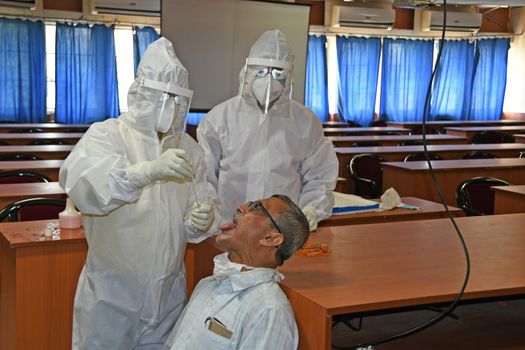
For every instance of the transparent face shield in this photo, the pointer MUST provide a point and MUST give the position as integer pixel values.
(175, 104)
(265, 80)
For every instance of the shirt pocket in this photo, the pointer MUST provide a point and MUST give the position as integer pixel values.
(216, 341)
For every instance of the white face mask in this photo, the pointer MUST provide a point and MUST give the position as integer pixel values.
(223, 267)
(166, 114)
(260, 89)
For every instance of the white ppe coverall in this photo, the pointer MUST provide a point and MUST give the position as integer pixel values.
(132, 287)
(252, 155)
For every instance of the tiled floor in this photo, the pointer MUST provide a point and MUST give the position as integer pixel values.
(490, 325)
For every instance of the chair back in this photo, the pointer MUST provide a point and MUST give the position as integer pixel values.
(49, 142)
(26, 131)
(379, 123)
(33, 209)
(412, 143)
(366, 144)
(522, 155)
(352, 124)
(18, 176)
(18, 156)
(475, 197)
(492, 136)
(479, 155)
(421, 156)
(367, 173)
(3, 143)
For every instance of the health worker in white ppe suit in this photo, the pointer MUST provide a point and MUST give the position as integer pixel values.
(261, 142)
(131, 179)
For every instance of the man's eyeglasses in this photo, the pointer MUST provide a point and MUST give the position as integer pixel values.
(258, 205)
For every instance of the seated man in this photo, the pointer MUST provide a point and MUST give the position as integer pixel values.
(241, 306)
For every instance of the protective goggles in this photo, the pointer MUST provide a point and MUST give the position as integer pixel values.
(268, 62)
(276, 73)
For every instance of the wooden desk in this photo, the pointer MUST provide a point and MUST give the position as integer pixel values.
(363, 131)
(39, 280)
(509, 199)
(398, 153)
(48, 127)
(390, 265)
(451, 123)
(429, 210)
(469, 132)
(41, 151)
(49, 167)
(394, 140)
(10, 193)
(27, 138)
(413, 178)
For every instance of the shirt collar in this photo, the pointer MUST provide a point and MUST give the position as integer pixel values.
(250, 278)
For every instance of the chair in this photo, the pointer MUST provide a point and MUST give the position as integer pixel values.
(492, 136)
(367, 173)
(475, 197)
(421, 156)
(3, 143)
(522, 155)
(49, 142)
(18, 156)
(352, 124)
(33, 209)
(389, 133)
(411, 143)
(366, 144)
(379, 123)
(26, 131)
(18, 176)
(479, 155)
(418, 130)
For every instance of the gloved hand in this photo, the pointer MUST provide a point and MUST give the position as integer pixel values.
(174, 162)
(311, 216)
(202, 216)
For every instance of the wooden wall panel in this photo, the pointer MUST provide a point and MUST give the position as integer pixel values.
(404, 18)
(63, 5)
(495, 20)
(316, 11)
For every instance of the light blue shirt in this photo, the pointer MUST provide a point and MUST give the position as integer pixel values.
(249, 304)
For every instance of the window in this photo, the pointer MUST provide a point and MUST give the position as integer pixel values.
(50, 67)
(125, 72)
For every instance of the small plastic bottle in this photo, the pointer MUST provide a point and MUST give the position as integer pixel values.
(70, 217)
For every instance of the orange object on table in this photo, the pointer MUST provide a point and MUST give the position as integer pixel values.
(316, 249)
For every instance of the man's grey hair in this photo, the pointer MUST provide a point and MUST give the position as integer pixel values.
(294, 228)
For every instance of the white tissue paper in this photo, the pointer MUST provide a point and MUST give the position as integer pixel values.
(349, 203)
(390, 200)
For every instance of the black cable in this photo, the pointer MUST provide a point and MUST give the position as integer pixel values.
(454, 304)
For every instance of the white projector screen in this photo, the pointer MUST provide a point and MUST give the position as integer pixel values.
(213, 38)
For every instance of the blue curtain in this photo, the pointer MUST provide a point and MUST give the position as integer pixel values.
(490, 79)
(142, 37)
(86, 76)
(406, 71)
(194, 118)
(316, 87)
(453, 81)
(22, 71)
(358, 60)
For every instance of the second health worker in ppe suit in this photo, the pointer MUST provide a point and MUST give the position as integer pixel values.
(131, 179)
(261, 142)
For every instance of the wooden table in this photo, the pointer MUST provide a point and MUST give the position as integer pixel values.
(39, 279)
(519, 138)
(363, 131)
(10, 193)
(41, 151)
(469, 132)
(394, 140)
(391, 265)
(48, 127)
(27, 138)
(398, 153)
(49, 167)
(509, 199)
(413, 178)
(428, 210)
(451, 123)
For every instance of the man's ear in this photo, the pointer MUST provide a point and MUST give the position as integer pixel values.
(272, 239)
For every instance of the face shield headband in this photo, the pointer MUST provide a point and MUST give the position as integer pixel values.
(268, 80)
(174, 107)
